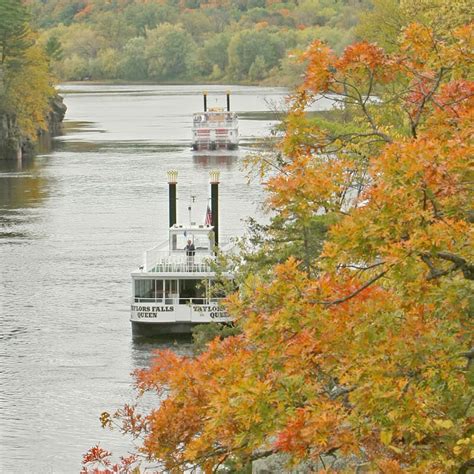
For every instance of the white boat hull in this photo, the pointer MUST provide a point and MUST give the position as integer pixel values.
(149, 319)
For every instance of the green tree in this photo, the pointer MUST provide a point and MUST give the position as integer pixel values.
(258, 69)
(67, 11)
(54, 49)
(146, 16)
(13, 30)
(197, 24)
(75, 68)
(106, 65)
(246, 45)
(316, 12)
(169, 50)
(113, 29)
(133, 63)
(82, 40)
(213, 53)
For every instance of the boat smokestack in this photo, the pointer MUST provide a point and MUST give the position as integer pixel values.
(214, 179)
(228, 101)
(204, 95)
(172, 180)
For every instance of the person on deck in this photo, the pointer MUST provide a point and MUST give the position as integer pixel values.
(190, 252)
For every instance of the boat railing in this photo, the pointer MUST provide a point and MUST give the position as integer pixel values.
(171, 300)
(162, 261)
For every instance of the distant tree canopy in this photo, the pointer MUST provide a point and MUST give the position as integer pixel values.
(244, 40)
(25, 82)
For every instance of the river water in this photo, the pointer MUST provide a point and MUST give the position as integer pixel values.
(74, 222)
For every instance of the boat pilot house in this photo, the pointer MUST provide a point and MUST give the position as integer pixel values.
(172, 290)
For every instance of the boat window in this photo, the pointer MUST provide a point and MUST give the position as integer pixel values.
(147, 289)
(182, 241)
(144, 288)
(159, 289)
(200, 240)
(192, 291)
(171, 291)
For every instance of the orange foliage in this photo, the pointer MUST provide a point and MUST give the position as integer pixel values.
(365, 355)
(85, 12)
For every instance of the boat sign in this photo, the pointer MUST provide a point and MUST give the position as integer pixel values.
(159, 313)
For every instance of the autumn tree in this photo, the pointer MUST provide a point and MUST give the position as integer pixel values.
(25, 82)
(384, 19)
(368, 351)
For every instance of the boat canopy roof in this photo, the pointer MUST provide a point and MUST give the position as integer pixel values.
(202, 236)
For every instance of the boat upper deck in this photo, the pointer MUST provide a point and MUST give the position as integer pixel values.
(173, 257)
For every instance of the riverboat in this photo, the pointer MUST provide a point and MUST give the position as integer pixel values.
(215, 128)
(172, 290)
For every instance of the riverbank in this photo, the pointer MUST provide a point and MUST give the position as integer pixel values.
(268, 82)
(15, 144)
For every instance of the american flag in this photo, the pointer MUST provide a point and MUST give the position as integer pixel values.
(208, 219)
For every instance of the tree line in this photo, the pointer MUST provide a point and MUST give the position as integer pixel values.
(167, 40)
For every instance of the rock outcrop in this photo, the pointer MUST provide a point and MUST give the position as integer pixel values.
(56, 115)
(14, 145)
(10, 138)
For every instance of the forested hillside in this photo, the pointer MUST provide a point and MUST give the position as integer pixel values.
(189, 40)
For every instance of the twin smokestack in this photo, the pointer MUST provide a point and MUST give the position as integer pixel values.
(204, 96)
(214, 180)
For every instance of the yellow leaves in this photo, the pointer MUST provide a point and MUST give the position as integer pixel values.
(418, 40)
(29, 89)
(388, 466)
(105, 420)
(447, 424)
(464, 448)
(415, 204)
(386, 437)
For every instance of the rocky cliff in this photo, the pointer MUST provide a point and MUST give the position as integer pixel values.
(14, 145)
(10, 138)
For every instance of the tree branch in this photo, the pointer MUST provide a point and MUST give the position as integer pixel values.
(466, 467)
(466, 267)
(354, 293)
(426, 98)
(459, 263)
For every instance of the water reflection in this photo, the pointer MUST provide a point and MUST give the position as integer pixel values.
(208, 160)
(21, 184)
(22, 187)
(143, 349)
